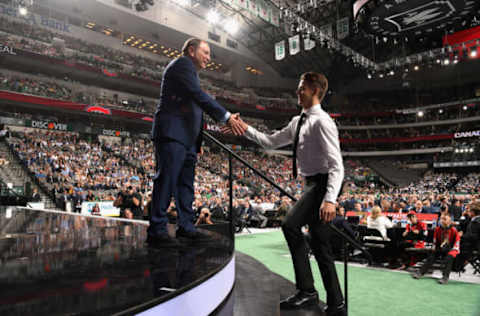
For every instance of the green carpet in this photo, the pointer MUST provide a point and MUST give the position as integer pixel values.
(372, 292)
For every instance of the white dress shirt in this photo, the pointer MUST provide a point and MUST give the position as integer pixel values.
(380, 223)
(318, 149)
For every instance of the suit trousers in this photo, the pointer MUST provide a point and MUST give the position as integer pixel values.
(306, 211)
(175, 173)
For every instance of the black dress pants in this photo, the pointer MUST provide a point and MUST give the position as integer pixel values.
(306, 211)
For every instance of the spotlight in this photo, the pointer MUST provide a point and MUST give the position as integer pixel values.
(440, 111)
(212, 17)
(438, 61)
(465, 107)
(420, 114)
(473, 52)
(416, 67)
(231, 26)
(23, 11)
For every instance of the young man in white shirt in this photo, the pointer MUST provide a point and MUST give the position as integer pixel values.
(316, 148)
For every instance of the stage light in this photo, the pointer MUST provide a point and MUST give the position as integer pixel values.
(420, 114)
(416, 67)
(212, 17)
(473, 52)
(23, 11)
(231, 26)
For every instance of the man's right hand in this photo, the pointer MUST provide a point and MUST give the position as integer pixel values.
(235, 125)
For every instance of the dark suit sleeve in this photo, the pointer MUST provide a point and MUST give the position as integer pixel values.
(184, 73)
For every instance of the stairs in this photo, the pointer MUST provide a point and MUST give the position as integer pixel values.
(14, 172)
(394, 175)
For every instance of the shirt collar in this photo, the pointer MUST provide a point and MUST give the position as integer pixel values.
(314, 109)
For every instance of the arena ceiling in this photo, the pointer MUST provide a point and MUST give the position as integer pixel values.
(382, 31)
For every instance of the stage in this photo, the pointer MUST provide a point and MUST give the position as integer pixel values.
(57, 263)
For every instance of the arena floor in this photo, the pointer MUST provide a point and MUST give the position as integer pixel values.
(374, 291)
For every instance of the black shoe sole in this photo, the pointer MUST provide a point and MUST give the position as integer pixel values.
(305, 305)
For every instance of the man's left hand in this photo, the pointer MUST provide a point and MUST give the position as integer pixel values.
(327, 211)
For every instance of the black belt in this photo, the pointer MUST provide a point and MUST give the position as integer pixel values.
(319, 177)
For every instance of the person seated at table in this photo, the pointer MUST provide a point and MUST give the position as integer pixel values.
(414, 234)
(379, 222)
(446, 242)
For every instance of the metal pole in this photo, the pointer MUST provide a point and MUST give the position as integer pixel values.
(230, 192)
(345, 269)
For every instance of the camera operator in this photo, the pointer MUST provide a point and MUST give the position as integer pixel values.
(129, 202)
(204, 217)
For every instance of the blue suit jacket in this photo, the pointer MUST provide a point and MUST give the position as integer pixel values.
(181, 105)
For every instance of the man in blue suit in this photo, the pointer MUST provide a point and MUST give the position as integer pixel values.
(177, 137)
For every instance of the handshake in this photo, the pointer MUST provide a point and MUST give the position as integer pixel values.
(235, 125)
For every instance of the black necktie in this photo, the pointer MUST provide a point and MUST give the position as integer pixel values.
(295, 143)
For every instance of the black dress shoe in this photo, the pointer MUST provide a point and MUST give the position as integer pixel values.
(300, 300)
(193, 235)
(339, 310)
(162, 241)
(443, 281)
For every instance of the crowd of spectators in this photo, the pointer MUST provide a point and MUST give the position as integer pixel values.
(75, 169)
(53, 88)
(24, 36)
(51, 157)
(86, 52)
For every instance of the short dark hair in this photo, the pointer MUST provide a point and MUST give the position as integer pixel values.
(191, 42)
(316, 80)
(475, 207)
